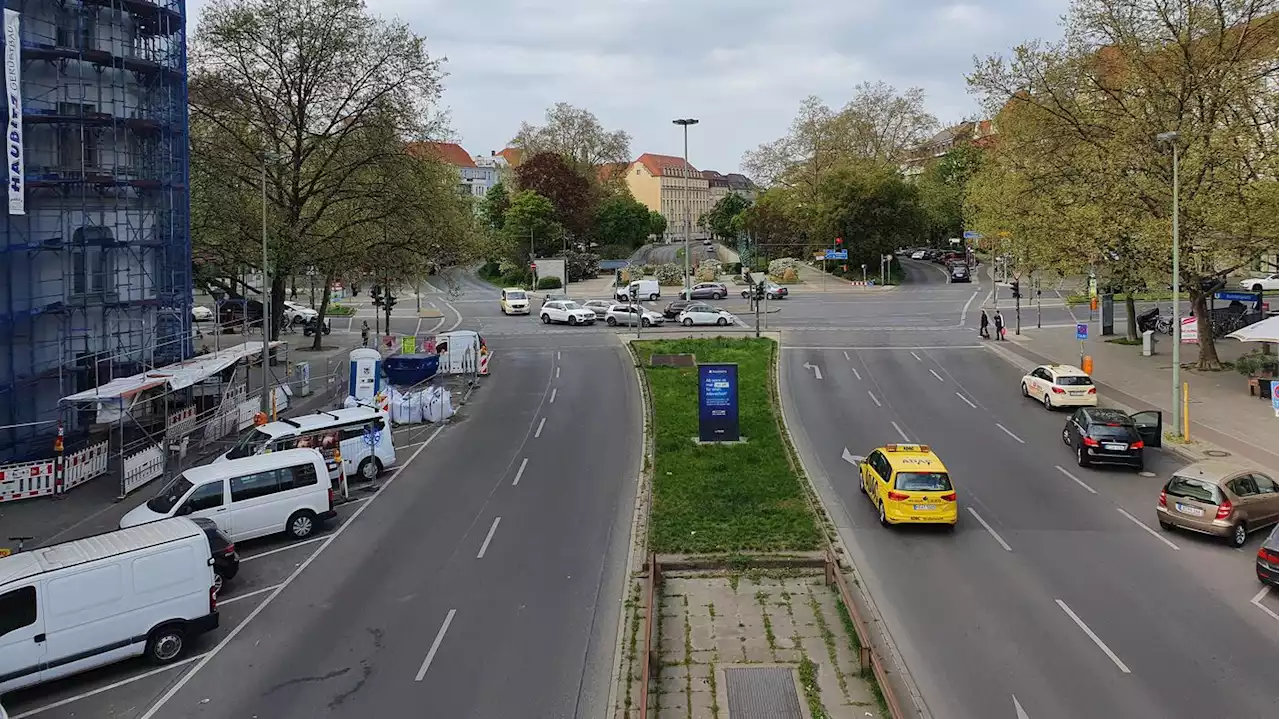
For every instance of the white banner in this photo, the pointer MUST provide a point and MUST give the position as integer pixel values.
(13, 86)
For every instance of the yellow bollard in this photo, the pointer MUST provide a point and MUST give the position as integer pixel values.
(1087, 365)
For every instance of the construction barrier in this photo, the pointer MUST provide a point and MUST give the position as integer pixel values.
(180, 423)
(26, 480)
(141, 467)
(80, 467)
(484, 363)
(247, 409)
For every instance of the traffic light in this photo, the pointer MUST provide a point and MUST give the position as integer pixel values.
(839, 241)
(759, 291)
(390, 301)
(1017, 294)
(376, 293)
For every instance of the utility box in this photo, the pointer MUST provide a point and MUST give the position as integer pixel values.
(302, 371)
(1148, 343)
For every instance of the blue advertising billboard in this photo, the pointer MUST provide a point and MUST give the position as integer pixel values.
(718, 403)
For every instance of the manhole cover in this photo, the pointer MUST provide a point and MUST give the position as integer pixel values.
(1146, 474)
(1216, 453)
(762, 693)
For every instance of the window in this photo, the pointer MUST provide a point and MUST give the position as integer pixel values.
(1266, 485)
(88, 270)
(206, 496)
(302, 475)
(1192, 488)
(1244, 486)
(77, 145)
(923, 481)
(17, 609)
(1074, 381)
(252, 486)
(879, 464)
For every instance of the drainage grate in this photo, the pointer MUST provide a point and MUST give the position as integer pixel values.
(762, 693)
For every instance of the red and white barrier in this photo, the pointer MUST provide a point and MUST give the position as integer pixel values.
(80, 467)
(180, 423)
(26, 480)
(484, 363)
(142, 467)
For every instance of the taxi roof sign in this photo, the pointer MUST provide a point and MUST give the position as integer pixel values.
(906, 448)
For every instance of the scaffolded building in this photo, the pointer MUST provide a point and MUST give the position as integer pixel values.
(95, 259)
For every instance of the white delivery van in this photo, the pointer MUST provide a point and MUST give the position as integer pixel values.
(459, 351)
(363, 435)
(71, 607)
(286, 491)
(643, 289)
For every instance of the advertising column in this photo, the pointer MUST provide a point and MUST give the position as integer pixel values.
(718, 403)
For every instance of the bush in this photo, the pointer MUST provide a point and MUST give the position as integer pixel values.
(1255, 364)
(580, 265)
(708, 271)
(550, 283)
(648, 269)
(515, 278)
(669, 275)
(790, 275)
(779, 267)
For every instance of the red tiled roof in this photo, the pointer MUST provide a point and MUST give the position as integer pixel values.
(512, 155)
(447, 152)
(610, 170)
(658, 164)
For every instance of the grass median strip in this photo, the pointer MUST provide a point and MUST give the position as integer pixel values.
(722, 499)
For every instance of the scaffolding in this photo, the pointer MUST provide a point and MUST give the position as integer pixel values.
(95, 278)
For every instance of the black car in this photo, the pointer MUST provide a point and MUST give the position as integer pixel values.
(1108, 436)
(226, 562)
(674, 309)
(1268, 560)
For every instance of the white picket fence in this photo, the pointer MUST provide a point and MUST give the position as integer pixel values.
(142, 467)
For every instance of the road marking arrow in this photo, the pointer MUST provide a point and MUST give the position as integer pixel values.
(1022, 714)
(817, 373)
(849, 457)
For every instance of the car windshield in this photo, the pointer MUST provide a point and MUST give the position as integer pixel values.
(1192, 488)
(511, 296)
(170, 495)
(249, 444)
(570, 305)
(923, 481)
(1074, 381)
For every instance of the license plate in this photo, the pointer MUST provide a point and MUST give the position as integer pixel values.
(925, 507)
(1115, 447)
(1188, 509)
(1076, 394)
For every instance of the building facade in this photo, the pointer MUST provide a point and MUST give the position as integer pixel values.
(975, 133)
(673, 188)
(717, 186)
(742, 185)
(95, 259)
(474, 179)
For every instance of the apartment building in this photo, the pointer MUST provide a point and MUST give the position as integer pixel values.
(742, 185)
(717, 186)
(474, 180)
(673, 188)
(976, 133)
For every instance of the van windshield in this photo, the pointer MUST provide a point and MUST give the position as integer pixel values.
(511, 296)
(249, 444)
(170, 495)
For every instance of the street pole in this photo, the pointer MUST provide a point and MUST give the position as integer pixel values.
(266, 295)
(1017, 308)
(1037, 301)
(1172, 138)
(688, 216)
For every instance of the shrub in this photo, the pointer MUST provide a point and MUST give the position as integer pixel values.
(790, 275)
(708, 271)
(669, 275)
(550, 283)
(779, 267)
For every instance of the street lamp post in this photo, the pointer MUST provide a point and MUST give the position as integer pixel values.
(266, 290)
(688, 215)
(1172, 139)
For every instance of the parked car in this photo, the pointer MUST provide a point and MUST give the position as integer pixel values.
(1262, 284)
(1109, 436)
(566, 312)
(675, 307)
(199, 313)
(918, 255)
(75, 606)
(1218, 498)
(642, 289)
(557, 296)
(233, 312)
(299, 313)
(705, 315)
(1060, 385)
(600, 307)
(1267, 563)
(705, 291)
(226, 561)
(772, 291)
(631, 315)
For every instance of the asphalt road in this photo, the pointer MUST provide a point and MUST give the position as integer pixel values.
(484, 580)
(1057, 595)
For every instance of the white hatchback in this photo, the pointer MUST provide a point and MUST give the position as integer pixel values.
(705, 315)
(1060, 385)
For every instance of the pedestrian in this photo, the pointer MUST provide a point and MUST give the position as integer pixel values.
(999, 321)
(983, 324)
(364, 333)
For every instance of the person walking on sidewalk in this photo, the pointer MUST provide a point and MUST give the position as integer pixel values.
(364, 333)
(984, 323)
(999, 320)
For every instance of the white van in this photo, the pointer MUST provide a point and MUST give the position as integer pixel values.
(363, 435)
(71, 607)
(285, 491)
(643, 289)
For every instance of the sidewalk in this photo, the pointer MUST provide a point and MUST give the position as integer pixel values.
(93, 508)
(814, 279)
(1223, 415)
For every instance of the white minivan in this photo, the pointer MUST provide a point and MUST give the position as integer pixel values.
(643, 289)
(247, 498)
(71, 607)
(363, 435)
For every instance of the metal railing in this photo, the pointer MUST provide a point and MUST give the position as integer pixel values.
(651, 651)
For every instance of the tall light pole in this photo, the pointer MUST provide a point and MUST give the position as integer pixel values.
(688, 216)
(1171, 138)
(267, 156)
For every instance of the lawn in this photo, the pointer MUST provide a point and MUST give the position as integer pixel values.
(719, 499)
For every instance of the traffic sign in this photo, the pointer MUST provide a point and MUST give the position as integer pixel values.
(1082, 331)
(1237, 296)
(972, 235)
(837, 255)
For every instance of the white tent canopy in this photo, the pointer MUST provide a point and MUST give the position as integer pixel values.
(1268, 330)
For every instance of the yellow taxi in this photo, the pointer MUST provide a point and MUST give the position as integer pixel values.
(908, 484)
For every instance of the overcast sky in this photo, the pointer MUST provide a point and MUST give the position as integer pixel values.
(740, 66)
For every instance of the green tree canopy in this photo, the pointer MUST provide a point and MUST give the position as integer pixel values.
(570, 193)
(494, 205)
(530, 225)
(620, 220)
(657, 223)
(722, 217)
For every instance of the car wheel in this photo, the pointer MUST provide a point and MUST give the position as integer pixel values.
(306, 332)
(165, 643)
(721, 321)
(368, 469)
(744, 295)
(217, 582)
(644, 321)
(612, 321)
(1166, 526)
(716, 296)
(327, 329)
(1257, 288)
(301, 524)
(573, 320)
(1025, 392)
(1082, 459)
(1048, 403)
(1066, 437)
(653, 298)
(687, 322)
(546, 319)
(1239, 535)
(884, 520)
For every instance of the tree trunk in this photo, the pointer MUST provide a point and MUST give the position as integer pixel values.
(1208, 350)
(278, 289)
(318, 338)
(1130, 316)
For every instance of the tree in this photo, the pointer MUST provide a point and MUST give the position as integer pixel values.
(529, 225)
(577, 135)
(773, 226)
(1129, 70)
(871, 207)
(657, 224)
(552, 177)
(724, 214)
(620, 220)
(495, 204)
(942, 190)
(321, 93)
